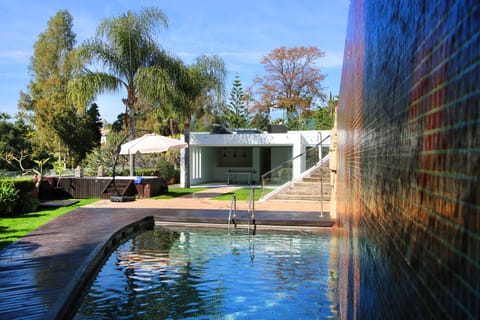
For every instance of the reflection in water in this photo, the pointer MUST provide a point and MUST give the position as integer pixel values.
(209, 274)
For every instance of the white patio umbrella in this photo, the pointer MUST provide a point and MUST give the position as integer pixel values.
(151, 143)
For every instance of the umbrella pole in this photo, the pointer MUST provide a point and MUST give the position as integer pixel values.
(118, 197)
(131, 160)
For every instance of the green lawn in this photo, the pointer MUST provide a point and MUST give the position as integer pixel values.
(178, 192)
(14, 227)
(242, 194)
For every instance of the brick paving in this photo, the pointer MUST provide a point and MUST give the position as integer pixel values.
(42, 272)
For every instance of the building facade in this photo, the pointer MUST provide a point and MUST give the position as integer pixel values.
(242, 157)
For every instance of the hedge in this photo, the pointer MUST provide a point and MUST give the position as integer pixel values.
(17, 196)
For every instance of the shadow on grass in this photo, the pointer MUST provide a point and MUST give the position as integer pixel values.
(12, 227)
(10, 235)
(5, 243)
(36, 214)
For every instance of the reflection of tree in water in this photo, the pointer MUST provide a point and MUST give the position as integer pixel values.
(157, 285)
(179, 275)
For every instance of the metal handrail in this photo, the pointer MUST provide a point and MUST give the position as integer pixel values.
(283, 164)
(232, 215)
(251, 211)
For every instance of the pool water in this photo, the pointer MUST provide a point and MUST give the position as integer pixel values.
(211, 274)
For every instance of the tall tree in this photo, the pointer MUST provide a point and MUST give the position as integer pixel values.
(203, 88)
(12, 141)
(4, 116)
(52, 66)
(80, 132)
(132, 60)
(237, 115)
(199, 89)
(292, 82)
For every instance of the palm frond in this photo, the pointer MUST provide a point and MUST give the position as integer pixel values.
(83, 89)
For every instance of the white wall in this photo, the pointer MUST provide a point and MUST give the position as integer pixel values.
(260, 139)
(204, 152)
(201, 160)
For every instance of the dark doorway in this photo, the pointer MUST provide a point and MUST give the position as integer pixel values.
(266, 160)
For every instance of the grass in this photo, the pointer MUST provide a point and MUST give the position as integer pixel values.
(242, 194)
(14, 227)
(178, 192)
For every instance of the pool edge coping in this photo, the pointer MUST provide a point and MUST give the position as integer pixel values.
(66, 305)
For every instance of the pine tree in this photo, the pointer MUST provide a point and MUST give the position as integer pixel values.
(237, 115)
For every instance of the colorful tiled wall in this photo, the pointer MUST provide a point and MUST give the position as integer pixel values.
(408, 194)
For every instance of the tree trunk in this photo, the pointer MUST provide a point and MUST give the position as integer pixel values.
(186, 133)
(130, 113)
(132, 128)
(170, 122)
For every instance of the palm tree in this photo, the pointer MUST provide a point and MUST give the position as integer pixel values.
(203, 89)
(198, 89)
(126, 48)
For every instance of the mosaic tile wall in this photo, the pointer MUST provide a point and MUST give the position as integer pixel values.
(408, 201)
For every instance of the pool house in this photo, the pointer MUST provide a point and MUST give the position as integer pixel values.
(243, 156)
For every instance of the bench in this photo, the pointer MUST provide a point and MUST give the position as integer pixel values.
(232, 174)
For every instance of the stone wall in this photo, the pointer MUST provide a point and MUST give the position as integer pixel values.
(408, 156)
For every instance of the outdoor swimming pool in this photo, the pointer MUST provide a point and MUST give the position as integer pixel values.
(179, 273)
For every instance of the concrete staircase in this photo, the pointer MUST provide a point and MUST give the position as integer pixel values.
(309, 188)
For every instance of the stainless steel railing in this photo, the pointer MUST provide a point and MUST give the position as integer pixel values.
(282, 173)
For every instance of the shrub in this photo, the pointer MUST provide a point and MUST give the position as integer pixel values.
(147, 172)
(8, 197)
(122, 172)
(28, 196)
(165, 169)
(177, 175)
(27, 204)
(24, 185)
(18, 196)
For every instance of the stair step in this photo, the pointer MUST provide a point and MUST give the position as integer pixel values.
(315, 179)
(301, 184)
(300, 197)
(315, 187)
(310, 185)
(307, 192)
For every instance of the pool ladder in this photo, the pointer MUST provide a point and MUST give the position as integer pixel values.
(232, 215)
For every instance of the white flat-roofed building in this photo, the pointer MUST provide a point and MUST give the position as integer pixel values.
(242, 156)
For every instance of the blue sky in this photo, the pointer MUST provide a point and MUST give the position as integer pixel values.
(240, 32)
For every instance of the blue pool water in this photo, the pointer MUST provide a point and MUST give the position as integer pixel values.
(211, 274)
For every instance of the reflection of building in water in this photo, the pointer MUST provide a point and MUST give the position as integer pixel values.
(408, 180)
(149, 251)
(144, 260)
(289, 258)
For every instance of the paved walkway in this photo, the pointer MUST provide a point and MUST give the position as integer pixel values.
(203, 200)
(42, 272)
